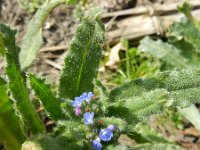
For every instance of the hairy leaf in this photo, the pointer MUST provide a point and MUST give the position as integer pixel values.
(140, 98)
(149, 133)
(49, 101)
(187, 56)
(137, 108)
(72, 130)
(16, 81)
(187, 51)
(82, 60)
(32, 40)
(164, 51)
(158, 146)
(10, 124)
(102, 89)
(69, 135)
(169, 80)
(118, 147)
(50, 143)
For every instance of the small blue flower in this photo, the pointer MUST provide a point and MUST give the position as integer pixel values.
(88, 118)
(87, 96)
(96, 144)
(77, 102)
(111, 127)
(105, 135)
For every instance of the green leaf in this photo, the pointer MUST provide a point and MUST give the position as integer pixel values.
(1, 45)
(82, 61)
(10, 125)
(68, 135)
(44, 93)
(16, 82)
(158, 146)
(32, 40)
(138, 99)
(169, 80)
(188, 58)
(2, 81)
(163, 51)
(118, 147)
(187, 51)
(72, 1)
(137, 108)
(102, 89)
(192, 114)
(187, 30)
(150, 134)
(50, 143)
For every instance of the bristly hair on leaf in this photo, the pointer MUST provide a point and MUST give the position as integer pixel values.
(32, 40)
(82, 61)
(138, 99)
(16, 83)
(10, 124)
(47, 98)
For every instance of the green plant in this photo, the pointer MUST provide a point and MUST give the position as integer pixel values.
(132, 64)
(181, 50)
(136, 64)
(86, 121)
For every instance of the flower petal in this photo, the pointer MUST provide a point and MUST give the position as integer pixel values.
(105, 135)
(111, 127)
(96, 144)
(88, 118)
(78, 111)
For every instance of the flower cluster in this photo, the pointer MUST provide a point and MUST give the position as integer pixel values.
(77, 102)
(105, 134)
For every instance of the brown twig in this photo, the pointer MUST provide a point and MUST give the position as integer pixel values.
(160, 9)
(54, 48)
(138, 26)
(52, 63)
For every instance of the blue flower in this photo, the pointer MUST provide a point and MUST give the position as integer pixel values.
(88, 118)
(105, 135)
(77, 102)
(111, 127)
(87, 96)
(96, 144)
